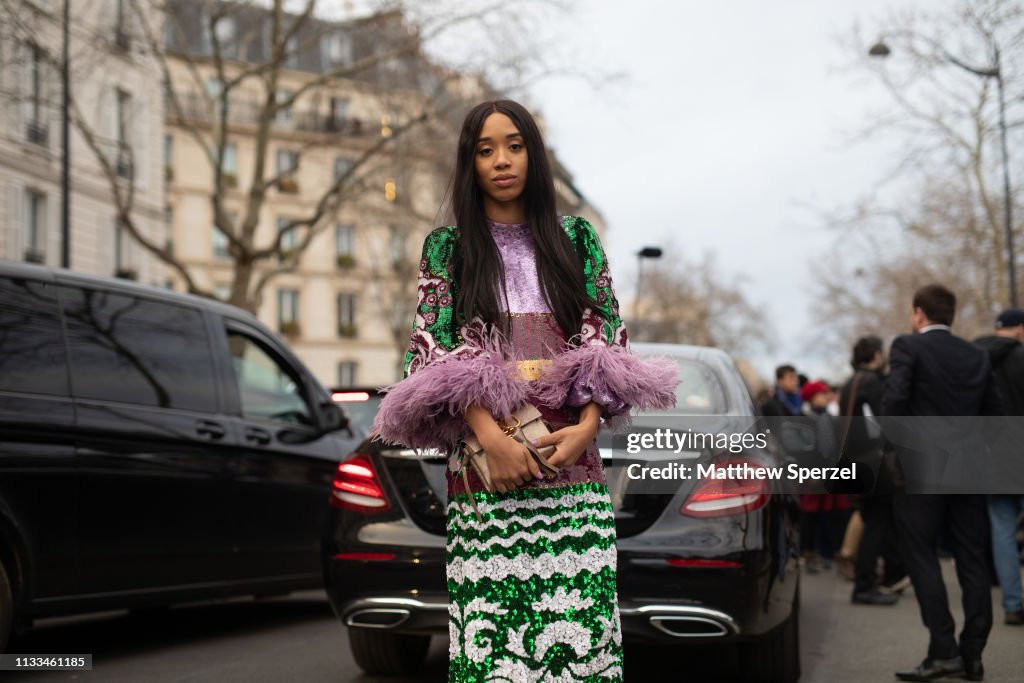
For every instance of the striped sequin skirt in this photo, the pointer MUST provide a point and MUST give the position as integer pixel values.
(532, 592)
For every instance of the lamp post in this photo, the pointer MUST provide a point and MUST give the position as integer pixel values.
(65, 175)
(646, 252)
(881, 50)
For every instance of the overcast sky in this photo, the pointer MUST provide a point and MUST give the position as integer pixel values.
(736, 119)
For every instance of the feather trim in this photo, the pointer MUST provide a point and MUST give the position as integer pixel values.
(609, 375)
(425, 410)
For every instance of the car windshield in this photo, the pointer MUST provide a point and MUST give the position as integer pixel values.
(699, 392)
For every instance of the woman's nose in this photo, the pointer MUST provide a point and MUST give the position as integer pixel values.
(501, 160)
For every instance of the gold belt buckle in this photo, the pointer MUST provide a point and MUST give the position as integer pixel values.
(531, 370)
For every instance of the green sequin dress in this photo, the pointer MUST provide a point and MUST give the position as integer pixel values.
(532, 589)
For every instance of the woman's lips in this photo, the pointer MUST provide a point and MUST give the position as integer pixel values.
(505, 181)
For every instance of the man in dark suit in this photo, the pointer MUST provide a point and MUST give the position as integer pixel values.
(934, 373)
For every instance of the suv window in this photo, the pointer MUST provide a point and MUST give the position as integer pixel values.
(267, 389)
(32, 357)
(138, 351)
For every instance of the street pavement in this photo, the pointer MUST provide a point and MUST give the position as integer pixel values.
(297, 638)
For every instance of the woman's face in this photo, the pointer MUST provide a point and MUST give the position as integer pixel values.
(501, 160)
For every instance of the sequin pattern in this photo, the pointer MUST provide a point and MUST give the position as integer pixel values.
(532, 586)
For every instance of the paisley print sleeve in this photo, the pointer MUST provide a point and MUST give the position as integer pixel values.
(448, 367)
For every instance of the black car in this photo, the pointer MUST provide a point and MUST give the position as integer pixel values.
(359, 403)
(154, 447)
(703, 561)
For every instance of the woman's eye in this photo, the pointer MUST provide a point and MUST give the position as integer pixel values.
(484, 152)
(515, 146)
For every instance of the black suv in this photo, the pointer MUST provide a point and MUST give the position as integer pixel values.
(154, 447)
(699, 561)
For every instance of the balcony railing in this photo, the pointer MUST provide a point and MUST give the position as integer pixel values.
(247, 112)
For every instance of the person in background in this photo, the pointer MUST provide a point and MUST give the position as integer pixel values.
(865, 388)
(823, 516)
(1007, 356)
(934, 373)
(785, 401)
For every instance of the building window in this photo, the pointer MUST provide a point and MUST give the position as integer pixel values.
(124, 263)
(347, 315)
(289, 239)
(288, 311)
(121, 37)
(35, 226)
(283, 117)
(291, 59)
(397, 249)
(229, 165)
(338, 50)
(168, 158)
(287, 164)
(338, 113)
(36, 129)
(124, 105)
(221, 243)
(341, 167)
(224, 30)
(344, 245)
(347, 373)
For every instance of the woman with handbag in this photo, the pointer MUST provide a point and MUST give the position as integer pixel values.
(516, 317)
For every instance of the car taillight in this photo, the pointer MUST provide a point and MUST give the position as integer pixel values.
(723, 497)
(356, 486)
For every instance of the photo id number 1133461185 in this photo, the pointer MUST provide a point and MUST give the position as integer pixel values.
(37, 662)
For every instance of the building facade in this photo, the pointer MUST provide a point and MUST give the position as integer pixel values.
(115, 88)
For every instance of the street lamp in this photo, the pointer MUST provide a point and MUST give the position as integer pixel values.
(65, 125)
(646, 252)
(881, 50)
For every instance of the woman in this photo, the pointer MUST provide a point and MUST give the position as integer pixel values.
(515, 307)
(860, 397)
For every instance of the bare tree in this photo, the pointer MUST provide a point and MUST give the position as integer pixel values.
(937, 215)
(694, 302)
(229, 70)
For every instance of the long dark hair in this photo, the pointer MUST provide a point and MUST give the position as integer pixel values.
(478, 267)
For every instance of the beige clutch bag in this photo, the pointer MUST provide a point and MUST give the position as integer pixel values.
(526, 425)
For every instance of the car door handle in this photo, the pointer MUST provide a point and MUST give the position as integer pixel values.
(211, 430)
(260, 437)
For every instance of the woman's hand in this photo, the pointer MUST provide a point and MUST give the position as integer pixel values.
(571, 442)
(508, 460)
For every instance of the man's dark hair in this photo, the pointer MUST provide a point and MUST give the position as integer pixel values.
(864, 350)
(937, 302)
(783, 370)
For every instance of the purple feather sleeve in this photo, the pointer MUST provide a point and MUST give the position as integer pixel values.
(611, 377)
(425, 409)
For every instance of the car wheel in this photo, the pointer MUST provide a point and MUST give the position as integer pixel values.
(6, 608)
(776, 657)
(383, 652)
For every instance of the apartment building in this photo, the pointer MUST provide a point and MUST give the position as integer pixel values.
(115, 88)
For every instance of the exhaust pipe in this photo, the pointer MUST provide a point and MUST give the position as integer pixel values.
(689, 627)
(687, 621)
(378, 617)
